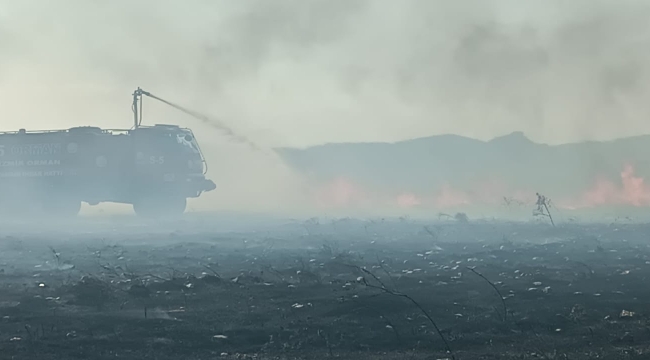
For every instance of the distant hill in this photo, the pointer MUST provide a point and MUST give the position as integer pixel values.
(506, 163)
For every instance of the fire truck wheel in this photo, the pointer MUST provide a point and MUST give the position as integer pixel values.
(160, 207)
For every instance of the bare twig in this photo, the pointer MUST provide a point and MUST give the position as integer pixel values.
(275, 272)
(212, 271)
(431, 233)
(383, 268)
(386, 290)
(56, 257)
(542, 204)
(503, 301)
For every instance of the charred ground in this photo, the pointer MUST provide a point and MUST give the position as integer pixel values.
(317, 290)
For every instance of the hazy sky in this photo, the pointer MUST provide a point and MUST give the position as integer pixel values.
(302, 72)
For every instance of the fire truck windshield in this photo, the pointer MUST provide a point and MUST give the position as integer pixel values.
(188, 141)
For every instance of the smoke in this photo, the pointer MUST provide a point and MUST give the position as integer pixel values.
(299, 72)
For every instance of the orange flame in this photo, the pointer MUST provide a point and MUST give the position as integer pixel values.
(632, 191)
(407, 200)
(448, 197)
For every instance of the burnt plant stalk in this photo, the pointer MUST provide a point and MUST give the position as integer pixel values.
(386, 290)
(503, 301)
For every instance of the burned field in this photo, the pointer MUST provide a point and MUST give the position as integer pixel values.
(345, 289)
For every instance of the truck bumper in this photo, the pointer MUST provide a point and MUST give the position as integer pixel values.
(196, 186)
(209, 185)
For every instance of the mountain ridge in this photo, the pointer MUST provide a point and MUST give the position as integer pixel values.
(513, 161)
(520, 134)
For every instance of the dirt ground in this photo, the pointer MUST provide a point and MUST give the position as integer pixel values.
(347, 289)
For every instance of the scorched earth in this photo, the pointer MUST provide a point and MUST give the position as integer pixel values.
(211, 288)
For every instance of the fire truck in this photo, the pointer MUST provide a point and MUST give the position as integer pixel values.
(51, 172)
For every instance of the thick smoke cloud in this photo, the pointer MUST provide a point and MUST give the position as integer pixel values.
(298, 72)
